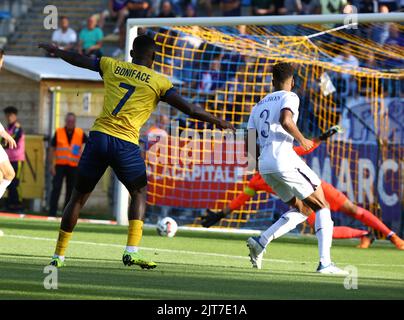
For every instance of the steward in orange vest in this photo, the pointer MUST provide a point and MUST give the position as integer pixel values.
(68, 153)
(65, 151)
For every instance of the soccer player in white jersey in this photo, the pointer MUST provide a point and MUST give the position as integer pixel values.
(273, 120)
(7, 173)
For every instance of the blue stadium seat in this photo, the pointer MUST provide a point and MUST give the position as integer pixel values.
(5, 15)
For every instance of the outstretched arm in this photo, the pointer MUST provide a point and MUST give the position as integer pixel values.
(73, 58)
(196, 112)
(317, 141)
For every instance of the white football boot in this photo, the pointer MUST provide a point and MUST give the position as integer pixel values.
(256, 252)
(331, 269)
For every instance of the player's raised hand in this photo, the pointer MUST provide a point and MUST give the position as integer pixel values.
(9, 140)
(48, 47)
(306, 144)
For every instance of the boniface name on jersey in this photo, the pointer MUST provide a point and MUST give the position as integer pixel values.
(142, 76)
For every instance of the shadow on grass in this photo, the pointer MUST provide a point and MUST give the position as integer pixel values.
(32, 225)
(173, 281)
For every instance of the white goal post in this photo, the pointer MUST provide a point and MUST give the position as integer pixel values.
(132, 25)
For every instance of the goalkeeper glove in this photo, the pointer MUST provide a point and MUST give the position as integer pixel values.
(330, 132)
(211, 218)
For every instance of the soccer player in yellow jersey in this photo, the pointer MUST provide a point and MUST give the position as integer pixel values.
(132, 91)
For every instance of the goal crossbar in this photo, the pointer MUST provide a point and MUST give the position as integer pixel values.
(133, 24)
(269, 20)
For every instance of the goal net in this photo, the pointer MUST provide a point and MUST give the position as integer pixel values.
(344, 76)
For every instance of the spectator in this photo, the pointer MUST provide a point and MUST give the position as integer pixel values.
(204, 8)
(395, 37)
(189, 11)
(380, 32)
(293, 6)
(230, 8)
(64, 37)
(327, 6)
(211, 78)
(116, 10)
(263, 7)
(91, 39)
(16, 157)
(280, 7)
(367, 6)
(349, 9)
(306, 5)
(394, 41)
(65, 151)
(268, 7)
(166, 10)
(393, 5)
(178, 6)
(139, 8)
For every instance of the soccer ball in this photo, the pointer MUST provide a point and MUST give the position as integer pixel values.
(167, 227)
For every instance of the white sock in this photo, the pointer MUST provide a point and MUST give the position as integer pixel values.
(62, 258)
(324, 229)
(287, 222)
(3, 187)
(132, 249)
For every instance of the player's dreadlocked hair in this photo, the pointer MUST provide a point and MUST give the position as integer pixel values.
(282, 71)
(1, 53)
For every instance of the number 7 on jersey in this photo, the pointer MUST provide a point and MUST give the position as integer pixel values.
(131, 90)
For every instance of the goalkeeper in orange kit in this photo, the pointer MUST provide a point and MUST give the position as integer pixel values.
(337, 200)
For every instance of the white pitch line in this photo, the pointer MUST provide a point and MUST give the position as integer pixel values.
(144, 248)
(211, 254)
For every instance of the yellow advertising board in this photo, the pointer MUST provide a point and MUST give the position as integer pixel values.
(33, 173)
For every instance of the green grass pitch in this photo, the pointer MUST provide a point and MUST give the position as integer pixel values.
(193, 265)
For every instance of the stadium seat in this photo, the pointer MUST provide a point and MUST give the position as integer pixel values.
(5, 15)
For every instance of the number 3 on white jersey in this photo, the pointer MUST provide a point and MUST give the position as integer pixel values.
(265, 130)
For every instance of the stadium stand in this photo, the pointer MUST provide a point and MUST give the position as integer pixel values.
(30, 28)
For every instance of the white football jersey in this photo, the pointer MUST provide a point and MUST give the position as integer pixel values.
(276, 145)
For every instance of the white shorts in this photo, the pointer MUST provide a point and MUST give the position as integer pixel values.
(299, 183)
(3, 155)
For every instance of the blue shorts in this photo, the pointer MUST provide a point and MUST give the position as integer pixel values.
(118, 5)
(103, 151)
